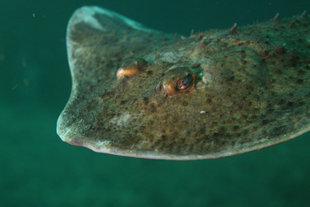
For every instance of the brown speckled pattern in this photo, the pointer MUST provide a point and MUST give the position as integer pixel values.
(252, 90)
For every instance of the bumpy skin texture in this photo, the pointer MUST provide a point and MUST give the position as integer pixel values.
(213, 94)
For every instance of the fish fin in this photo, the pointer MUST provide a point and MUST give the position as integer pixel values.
(101, 40)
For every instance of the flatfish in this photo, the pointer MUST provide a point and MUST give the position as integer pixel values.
(143, 93)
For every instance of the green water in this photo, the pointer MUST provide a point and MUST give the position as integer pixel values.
(38, 169)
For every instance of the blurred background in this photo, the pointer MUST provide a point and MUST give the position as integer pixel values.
(38, 169)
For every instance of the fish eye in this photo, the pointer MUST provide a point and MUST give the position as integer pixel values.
(178, 80)
(184, 82)
(131, 69)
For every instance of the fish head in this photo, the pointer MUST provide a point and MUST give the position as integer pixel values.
(142, 93)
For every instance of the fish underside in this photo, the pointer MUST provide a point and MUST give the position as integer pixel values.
(144, 93)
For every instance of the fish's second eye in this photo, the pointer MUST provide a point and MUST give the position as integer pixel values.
(129, 70)
(185, 82)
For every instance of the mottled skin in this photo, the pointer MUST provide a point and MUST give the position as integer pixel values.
(246, 88)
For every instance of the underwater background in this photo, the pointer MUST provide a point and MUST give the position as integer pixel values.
(38, 169)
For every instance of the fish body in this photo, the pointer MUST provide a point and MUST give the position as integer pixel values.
(144, 93)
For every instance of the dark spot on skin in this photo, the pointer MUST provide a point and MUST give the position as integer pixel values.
(290, 104)
(257, 98)
(244, 62)
(118, 96)
(276, 131)
(264, 122)
(299, 81)
(153, 108)
(263, 53)
(245, 132)
(272, 81)
(277, 71)
(300, 103)
(222, 129)
(231, 78)
(214, 123)
(109, 94)
(146, 100)
(196, 65)
(245, 116)
(301, 72)
(249, 87)
(181, 140)
(254, 128)
(281, 102)
(163, 137)
(202, 131)
(188, 132)
(235, 127)
(280, 50)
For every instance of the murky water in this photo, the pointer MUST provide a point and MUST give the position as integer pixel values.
(38, 169)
